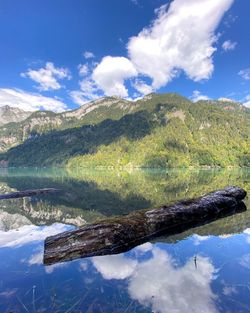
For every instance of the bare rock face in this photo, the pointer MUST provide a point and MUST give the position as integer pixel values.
(120, 234)
(9, 115)
(12, 221)
(96, 104)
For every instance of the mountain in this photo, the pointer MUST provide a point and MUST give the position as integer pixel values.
(160, 130)
(9, 115)
(42, 122)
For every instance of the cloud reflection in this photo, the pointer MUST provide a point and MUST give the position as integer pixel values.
(159, 283)
(199, 239)
(29, 233)
(115, 266)
(247, 233)
(245, 261)
(37, 259)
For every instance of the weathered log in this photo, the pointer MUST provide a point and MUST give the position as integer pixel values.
(27, 193)
(119, 234)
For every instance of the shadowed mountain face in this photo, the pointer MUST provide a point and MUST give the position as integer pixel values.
(59, 146)
(158, 131)
(42, 122)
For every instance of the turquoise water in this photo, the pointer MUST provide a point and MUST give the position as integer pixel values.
(206, 269)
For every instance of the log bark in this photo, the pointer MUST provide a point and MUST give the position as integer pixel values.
(27, 193)
(119, 234)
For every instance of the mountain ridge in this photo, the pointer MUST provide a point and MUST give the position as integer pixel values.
(41, 122)
(160, 130)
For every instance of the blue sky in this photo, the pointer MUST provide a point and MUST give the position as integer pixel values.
(60, 54)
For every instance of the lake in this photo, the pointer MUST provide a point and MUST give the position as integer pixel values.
(203, 270)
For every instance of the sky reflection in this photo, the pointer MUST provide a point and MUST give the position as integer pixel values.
(203, 270)
(159, 283)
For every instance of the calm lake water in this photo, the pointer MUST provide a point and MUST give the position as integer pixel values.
(203, 270)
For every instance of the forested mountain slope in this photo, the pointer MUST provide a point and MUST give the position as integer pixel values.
(160, 130)
(42, 122)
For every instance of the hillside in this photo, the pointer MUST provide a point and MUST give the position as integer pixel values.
(42, 122)
(9, 114)
(160, 130)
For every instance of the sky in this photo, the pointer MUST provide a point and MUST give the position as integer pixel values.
(58, 55)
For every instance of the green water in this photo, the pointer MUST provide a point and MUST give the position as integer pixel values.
(206, 269)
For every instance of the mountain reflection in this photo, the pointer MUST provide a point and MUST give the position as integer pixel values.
(87, 195)
(205, 269)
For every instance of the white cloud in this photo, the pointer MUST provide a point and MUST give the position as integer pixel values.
(245, 74)
(228, 45)
(37, 259)
(83, 266)
(83, 69)
(79, 97)
(245, 261)
(28, 234)
(223, 99)
(48, 77)
(50, 268)
(89, 91)
(159, 283)
(88, 86)
(142, 87)
(145, 247)
(198, 239)
(181, 38)
(197, 96)
(246, 102)
(111, 73)
(88, 55)
(247, 233)
(29, 101)
(114, 266)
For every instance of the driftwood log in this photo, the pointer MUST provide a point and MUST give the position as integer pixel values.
(27, 193)
(119, 234)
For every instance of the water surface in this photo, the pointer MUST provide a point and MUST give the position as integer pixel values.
(206, 269)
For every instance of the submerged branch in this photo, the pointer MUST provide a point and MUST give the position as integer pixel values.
(27, 193)
(119, 234)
